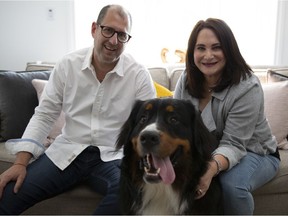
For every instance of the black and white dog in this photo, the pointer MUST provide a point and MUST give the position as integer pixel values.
(166, 151)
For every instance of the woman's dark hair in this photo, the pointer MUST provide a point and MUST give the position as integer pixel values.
(235, 69)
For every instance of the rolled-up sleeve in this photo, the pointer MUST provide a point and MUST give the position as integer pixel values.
(40, 124)
(241, 112)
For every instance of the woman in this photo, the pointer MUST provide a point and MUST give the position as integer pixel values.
(229, 96)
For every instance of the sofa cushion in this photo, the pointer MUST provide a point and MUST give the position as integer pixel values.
(17, 101)
(276, 103)
(276, 75)
(56, 129)
(174, 76)
(162, 91)
(39, 65)
(160, 75)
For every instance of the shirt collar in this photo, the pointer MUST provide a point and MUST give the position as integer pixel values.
(119, 68)
(220, 95)
(88, 59)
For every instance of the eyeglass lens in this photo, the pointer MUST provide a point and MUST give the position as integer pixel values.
(108, 32)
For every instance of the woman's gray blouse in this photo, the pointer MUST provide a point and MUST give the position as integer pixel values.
(236, 115)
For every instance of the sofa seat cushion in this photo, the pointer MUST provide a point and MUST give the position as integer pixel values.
(5, 156)
(79, 200)
(17, 101)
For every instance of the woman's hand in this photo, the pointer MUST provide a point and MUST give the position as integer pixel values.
(216, 165)
(206, 179)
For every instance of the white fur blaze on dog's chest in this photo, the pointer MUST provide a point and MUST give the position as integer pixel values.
(161, 199)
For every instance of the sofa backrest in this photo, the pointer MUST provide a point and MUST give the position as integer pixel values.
(39, 65)
(276, 75)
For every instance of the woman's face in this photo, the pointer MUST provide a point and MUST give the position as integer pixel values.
(208, 54)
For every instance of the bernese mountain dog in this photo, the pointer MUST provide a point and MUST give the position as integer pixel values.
(166, 151)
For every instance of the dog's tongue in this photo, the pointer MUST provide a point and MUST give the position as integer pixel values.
(166, 169)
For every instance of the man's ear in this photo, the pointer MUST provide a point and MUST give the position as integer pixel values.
(93, 29)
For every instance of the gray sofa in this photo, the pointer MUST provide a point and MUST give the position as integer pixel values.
(18, 100)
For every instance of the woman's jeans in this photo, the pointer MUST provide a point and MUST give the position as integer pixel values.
(45, 180)
(252, 172)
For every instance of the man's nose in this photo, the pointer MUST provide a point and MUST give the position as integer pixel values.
(114, 39)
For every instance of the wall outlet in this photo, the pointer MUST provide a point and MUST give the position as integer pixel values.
(50, 14)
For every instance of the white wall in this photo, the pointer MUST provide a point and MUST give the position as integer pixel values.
(28, 33)
(168, 23)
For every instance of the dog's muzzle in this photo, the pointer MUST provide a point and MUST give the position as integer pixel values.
(157, 169)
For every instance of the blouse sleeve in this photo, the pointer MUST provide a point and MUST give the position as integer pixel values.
(243, 109)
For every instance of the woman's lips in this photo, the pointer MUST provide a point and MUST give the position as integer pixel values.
(209, 64)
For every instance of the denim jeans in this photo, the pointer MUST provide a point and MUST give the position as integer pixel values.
(45, 180)
(252, 172)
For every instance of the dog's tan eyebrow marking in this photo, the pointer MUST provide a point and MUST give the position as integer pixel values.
(170, 108)
(149, 106)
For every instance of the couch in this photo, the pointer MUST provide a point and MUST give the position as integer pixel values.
(19, 98)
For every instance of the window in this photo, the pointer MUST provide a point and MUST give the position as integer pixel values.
(168, 24)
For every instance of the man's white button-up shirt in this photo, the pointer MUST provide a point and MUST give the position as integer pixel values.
(94, 111)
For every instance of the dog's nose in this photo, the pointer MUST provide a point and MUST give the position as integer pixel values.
(149, 139)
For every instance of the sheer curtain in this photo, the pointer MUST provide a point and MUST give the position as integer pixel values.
(281, 52)
(168, 24)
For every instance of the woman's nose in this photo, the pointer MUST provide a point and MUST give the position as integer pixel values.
(209, 55)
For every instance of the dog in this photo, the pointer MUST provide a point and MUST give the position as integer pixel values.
(166, 151)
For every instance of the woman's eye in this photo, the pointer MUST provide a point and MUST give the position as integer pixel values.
(200, 48)
(217, 48)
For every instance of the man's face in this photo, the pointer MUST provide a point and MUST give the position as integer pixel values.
(108, 50)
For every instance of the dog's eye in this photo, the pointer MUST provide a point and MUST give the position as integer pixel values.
(143, 119)
(173, 120)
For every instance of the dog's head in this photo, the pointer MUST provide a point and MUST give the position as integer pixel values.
(164, 136)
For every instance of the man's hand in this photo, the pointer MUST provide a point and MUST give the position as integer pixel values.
(15, 173)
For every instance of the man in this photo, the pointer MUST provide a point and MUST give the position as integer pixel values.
(96, 89)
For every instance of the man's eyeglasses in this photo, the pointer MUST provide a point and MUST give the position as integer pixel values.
(108, 32)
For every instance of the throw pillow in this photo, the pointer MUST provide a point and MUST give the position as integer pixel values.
(17, 101)
(56, 129)
(275, 104)
(162, 91)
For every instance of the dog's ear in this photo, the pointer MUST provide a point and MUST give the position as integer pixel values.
(205, 137)
(128, 126)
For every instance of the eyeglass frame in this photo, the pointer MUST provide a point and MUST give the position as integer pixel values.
(103, 26)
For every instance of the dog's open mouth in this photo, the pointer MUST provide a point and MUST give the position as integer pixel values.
(160, 169)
